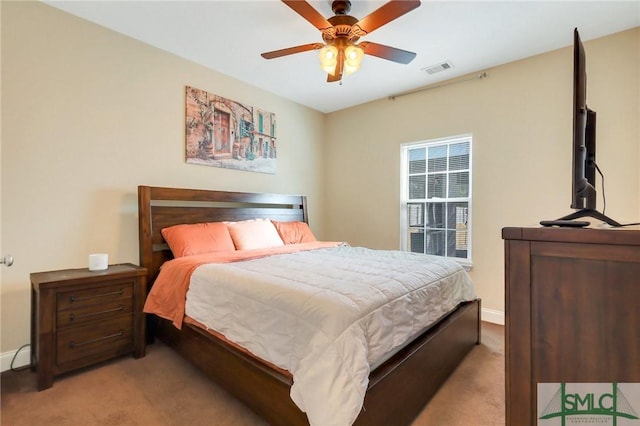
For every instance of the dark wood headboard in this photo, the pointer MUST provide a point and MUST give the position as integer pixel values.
(160, 207)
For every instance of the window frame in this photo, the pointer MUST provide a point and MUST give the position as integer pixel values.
(404, 191)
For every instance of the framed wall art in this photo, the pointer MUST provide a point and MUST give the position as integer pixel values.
(221, 132)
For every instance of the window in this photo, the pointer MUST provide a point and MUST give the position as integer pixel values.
(436, 197)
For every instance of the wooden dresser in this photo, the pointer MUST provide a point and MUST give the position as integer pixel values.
(81, 317)
(572, 305)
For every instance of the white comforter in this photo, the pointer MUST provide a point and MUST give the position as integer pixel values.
(327, 315)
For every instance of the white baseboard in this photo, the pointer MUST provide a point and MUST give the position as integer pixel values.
(23, 358)
(491, 315)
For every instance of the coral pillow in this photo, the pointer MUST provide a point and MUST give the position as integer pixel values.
(198, 238)
(254, 234)
(294, 232)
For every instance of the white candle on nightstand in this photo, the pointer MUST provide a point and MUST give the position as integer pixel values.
(98, 261)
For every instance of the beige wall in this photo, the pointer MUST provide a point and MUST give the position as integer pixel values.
(87, 116)
(520, 118)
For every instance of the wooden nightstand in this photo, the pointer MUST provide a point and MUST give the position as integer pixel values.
(81, 317)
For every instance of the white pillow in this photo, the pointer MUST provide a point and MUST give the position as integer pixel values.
(254, 234)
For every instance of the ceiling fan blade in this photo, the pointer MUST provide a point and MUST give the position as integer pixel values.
(383, 15)
(387, 52)
(333, 78)
(291, 50)
(308, 12)
(337, 76)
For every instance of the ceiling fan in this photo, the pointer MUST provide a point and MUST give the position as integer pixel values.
(340, 53)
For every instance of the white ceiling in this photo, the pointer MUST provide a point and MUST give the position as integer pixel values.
(228, 36)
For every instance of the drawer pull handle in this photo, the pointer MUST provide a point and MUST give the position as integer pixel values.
(77, 299)
(73, 317)
(73, 344)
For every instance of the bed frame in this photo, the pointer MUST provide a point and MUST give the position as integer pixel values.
(398, 389)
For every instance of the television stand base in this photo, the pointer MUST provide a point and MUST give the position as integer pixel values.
(590, 213)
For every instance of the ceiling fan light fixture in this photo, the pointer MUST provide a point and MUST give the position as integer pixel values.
(353, 55)
(329, 58)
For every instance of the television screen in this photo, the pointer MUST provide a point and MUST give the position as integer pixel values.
(584, 135)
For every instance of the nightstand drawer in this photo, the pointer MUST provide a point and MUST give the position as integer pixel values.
(90, 296)
(101, 312)
(111, 338)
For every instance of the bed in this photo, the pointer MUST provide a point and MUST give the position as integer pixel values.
(397, 389)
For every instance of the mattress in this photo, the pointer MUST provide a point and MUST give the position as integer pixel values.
(328, 315)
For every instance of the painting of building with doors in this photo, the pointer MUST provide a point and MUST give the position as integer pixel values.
(225, 133)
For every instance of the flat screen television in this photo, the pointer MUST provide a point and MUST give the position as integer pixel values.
(584, 166)
(583, 185)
